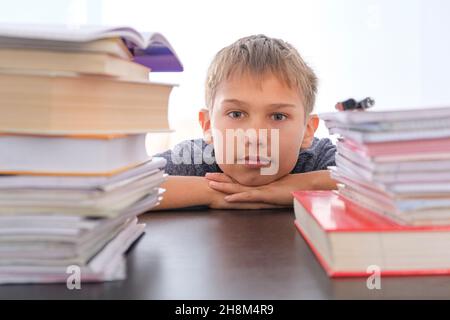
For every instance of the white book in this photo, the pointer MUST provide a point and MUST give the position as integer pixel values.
(413, 212)
(148, 48)
(375, 137)
(81, 197)
(372, 115)
(406, 163)
(394, 176)
(78, 254)
(400, 189)
(406, 125)
(108, 206)
(99, 205)
(85, 234)
(82, 155)
(107, 265)
(39, 252)
(82, 182)
(46, 221)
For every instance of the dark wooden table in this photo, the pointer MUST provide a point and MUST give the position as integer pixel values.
(221, 254)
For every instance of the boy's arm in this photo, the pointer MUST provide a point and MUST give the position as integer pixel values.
(278, 192)
(185, 191)
(188, 191)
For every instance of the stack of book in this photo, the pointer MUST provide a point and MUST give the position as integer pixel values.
(76, 106)
(392, 207)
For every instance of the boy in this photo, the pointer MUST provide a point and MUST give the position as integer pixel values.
(261, 91)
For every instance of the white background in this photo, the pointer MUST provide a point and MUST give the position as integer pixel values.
(395, 51)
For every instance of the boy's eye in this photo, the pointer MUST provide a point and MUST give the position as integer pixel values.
(278, 117)
(236, 114)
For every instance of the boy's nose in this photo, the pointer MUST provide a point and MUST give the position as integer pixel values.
(258, 122)
(258, 137)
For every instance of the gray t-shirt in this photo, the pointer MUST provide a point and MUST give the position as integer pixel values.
(196, 158)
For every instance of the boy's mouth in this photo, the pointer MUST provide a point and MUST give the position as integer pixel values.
(254, 162)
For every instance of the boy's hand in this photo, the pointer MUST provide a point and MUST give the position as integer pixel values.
(200, 194)
(218, 198)
(218, 202)
(275, 193)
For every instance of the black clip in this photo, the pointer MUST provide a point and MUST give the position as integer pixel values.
(352, 104)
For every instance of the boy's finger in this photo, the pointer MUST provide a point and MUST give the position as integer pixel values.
(226, 187)
(254, 205)
(246, 196)
(216, 176)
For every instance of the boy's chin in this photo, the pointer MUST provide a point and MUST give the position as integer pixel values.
(253, 178)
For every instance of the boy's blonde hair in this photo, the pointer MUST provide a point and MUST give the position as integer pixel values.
(259, 55)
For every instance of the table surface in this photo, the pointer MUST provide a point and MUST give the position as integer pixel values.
(229, 254)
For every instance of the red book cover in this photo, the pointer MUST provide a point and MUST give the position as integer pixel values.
(438, 145)
(336, 214)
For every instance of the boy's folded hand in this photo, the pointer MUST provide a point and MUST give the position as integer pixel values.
(276, 193)
(218, 197)
(220, 203)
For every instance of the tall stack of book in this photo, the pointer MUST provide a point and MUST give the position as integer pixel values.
(75, 107)
(392, 207)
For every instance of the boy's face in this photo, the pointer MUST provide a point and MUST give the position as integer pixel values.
(243, 102)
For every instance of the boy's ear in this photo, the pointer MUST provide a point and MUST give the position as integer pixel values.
(310, 129)
(205, 122)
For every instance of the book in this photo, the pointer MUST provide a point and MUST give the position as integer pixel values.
(386, 136)
(149, 49)
(346, 176)
(20, 251)
(81, 202)
(53, 230)
(107, 265)
(29, 61)
(72, 154)
(394, 166)
(392, 125)
(40, 248)
(412, 203)
(419, 210)
(112, 46)
(419, 172)
(100, 182)
(347, 239)
(76, 107)
(389, 115)
(391, 151)
(422, 161)
(81, 105)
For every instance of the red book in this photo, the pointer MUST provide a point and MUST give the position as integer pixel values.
(349, 240)
(400, 148)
